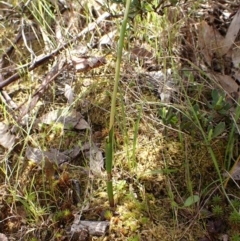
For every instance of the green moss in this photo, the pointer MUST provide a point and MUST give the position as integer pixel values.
(217, 211)
(234, 217)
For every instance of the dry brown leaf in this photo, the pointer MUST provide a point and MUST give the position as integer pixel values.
(209, 41)
(236, 57)
(34, 154)
(7, 140)
(96, 161)
(227, 83)
(76, 150)
(236, 75)
(82, 125)
(56, 156)
(231, 34)
(87, 63)
(140, 53)
(37, 156)
(69, 119)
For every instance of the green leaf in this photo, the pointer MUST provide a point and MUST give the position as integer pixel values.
(210, 133)
(173, 2)
(215, 96)
(191, 200)
(219, 129)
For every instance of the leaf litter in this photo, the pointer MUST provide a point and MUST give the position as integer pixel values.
(142, 204)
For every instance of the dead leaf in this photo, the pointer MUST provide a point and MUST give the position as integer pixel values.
(227, 82)
(7, 140)
(76, 150)
(38, 156)
(96, 161)
(50, 117)
(3, 237)
(56, 156)
(231, 34)
(34, 154)
(107, 40)
(236, 75)
(97, 228)
(68, 93)
(82, 125)
(140, 53)
(236, 57)
(87, 63)
(209, 41)
(69, 118)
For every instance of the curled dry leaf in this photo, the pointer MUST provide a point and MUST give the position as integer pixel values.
(53, 155)
(96, 161)
(87, 63)
(107, 40)
(69, 118)
(7, 140)
(68, 93)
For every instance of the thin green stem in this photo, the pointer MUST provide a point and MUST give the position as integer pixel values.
(109, 148)
(118, 64)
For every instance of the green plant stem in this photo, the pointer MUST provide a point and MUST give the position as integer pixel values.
(118, 64)
(110, 149)
(109, 157)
